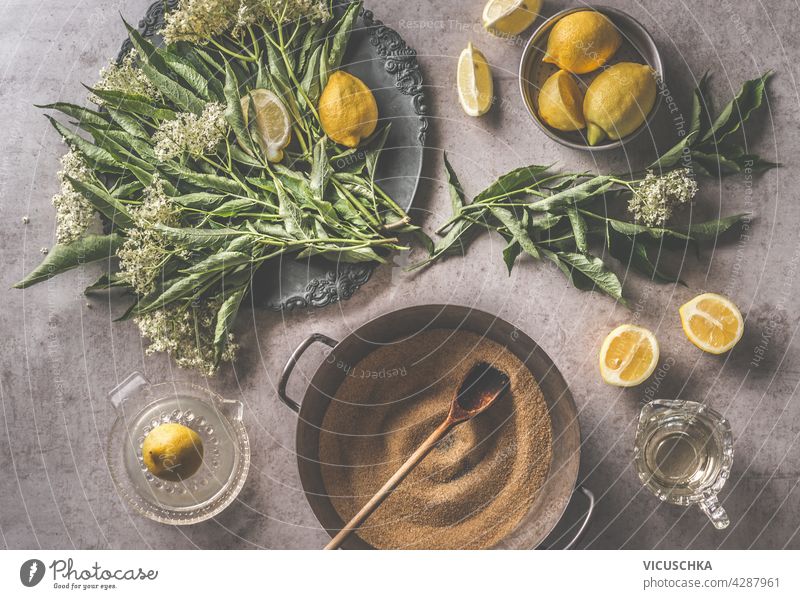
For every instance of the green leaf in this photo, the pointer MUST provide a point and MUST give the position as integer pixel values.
(84, 116)
(630, 251)
(203, 180)
(128, 123)
(233, 111)
(579, 229)
(104, 283)
(104, 202)
(738, 110)
(340, 36)
(699, 106)
(512, 183)
(198, 238)
(579, 193)
(454, 186)
(146, 50)
(373, 152)
(587, 272)
(516, 228)
(202, 200)
(64, 257)
(320, 169)
(311, 83)
(90, 152)
(292, 216)
(510, 253)
(710, 230)
(220, 261)
(198, 82)
(184, 99)
(134, 104)
(627, 228)
(225, 319)
(186, 287)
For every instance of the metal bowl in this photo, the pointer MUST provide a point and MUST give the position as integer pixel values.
(554, 496)
(637, 46)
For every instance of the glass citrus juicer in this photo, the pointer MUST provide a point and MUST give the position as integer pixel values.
(684, 453)
(142, 407)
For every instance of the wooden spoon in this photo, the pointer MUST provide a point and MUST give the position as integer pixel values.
(482, 386)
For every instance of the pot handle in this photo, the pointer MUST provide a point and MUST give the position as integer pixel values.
(292, 362)
(589, 511)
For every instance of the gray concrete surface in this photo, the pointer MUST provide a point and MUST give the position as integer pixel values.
(61, 355)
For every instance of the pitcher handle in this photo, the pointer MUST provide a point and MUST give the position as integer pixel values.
(715, 512)
(130, 385)
(292, 362)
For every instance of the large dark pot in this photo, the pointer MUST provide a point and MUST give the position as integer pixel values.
(558, 488)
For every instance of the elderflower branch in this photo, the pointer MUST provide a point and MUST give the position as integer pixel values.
(191, 134)
(655, 197)
(125, 77)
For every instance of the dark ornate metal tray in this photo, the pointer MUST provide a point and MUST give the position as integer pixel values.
(379, 56)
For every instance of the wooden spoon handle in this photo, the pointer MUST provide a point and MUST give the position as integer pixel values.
(391, 484)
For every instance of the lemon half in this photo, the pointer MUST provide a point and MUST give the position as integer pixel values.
(474, 81)
(629, 355)
(272, 122)
(172, 451)
(712, 322)
(561, 102)
(510, 17)
(582, 42)
(618, 101)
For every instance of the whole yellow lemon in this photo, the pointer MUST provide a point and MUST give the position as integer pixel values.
(561, 102)
(172, 451)
(347, 109)
(582, 42)
(618, 101)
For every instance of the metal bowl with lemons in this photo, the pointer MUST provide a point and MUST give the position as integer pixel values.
(590, 77)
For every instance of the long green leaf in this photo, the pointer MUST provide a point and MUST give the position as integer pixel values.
(579, 229)
(83, 116)
(64, 257)
(512, 183)
(587, 272)
(90, 152)
(184, 99)
(233, 111)
(590, 189)
(104, 202)
(225, 319)
(738, 110)
(516, 228)
(341, 36)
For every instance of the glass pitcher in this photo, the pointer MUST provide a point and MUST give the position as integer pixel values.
(683, 454)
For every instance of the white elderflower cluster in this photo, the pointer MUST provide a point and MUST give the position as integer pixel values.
(198, 20)
(656, 197)
(74, 212)
(143, 254)
(125, 77)
(191, 134)
(186, 334)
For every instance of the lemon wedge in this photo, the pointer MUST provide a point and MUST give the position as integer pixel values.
(712, 322)
(628, 356)
(272, 122)
(561, 102)
(510, 17)
(474, 80)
